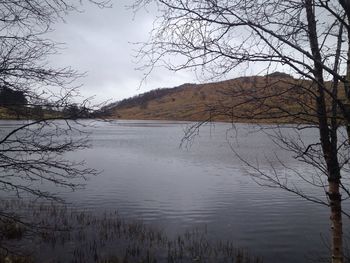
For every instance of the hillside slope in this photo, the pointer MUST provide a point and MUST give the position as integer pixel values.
(241, 99)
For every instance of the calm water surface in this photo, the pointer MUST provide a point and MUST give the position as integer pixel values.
(147, 175)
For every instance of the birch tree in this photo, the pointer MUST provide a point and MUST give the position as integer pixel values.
(308, 39)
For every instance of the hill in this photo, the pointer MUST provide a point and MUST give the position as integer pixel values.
(269, 98)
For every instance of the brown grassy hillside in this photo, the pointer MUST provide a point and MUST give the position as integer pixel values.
(272, 98)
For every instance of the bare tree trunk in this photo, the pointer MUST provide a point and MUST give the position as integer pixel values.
(346, 6)
(335, 176)
(347, 90)
(337, 225)
(329, 147)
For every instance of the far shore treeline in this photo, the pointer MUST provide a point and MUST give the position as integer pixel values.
(229, 101)
(17, 104)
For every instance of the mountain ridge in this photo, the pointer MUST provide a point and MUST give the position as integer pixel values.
(199, 102)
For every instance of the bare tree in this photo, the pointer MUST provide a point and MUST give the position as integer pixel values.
(309, 39)
(32, 149)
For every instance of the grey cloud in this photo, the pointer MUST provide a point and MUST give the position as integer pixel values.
(99, 42)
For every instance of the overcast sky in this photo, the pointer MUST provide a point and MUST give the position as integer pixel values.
(100, 42)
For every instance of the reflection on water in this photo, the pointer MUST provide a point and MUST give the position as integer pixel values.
(146, 175)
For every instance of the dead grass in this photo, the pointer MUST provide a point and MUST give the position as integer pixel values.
(235, 99)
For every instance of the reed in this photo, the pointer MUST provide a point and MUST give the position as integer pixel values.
(56, 233)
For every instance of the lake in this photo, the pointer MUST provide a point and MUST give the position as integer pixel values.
(147, 175)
